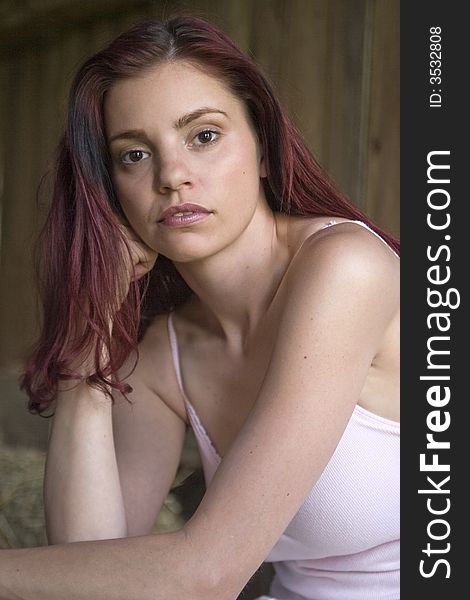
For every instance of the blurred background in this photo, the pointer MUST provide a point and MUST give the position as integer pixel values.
(334, 64)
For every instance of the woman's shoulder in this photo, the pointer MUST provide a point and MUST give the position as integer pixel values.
(336, 250)
(338, 241)
(330, 233)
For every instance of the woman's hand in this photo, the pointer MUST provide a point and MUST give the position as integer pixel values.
(140, 258)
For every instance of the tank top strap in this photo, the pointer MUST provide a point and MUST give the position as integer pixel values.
(333, 222)
(205, 443)
(175, 354)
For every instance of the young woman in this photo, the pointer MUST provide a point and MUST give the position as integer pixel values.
(269, 324)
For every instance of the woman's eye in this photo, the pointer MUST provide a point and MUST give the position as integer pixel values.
(203, 138)
(134, 156)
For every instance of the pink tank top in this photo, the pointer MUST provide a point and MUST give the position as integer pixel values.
(343, 543)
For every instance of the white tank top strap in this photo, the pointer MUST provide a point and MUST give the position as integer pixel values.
(175, 354)
(205, 442)
(333, 222)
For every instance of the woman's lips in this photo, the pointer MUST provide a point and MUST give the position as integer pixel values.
(183, 215)
(184, 219)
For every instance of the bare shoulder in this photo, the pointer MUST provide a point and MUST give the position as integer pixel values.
(154, 368)
(345, 252)
(348, 278)
(344, 276)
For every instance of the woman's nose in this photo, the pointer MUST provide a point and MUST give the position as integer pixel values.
(172, 173)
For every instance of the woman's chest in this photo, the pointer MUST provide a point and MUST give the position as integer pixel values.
(355, 504)
(223, 388)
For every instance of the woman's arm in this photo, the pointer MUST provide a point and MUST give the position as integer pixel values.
(109, 468)
(82, 491)
(341, 295)
(148, 434)
(152, 567)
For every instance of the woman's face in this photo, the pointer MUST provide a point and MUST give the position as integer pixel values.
(177, 135)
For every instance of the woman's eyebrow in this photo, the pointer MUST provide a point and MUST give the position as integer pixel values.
(195, 114)
(130, 134)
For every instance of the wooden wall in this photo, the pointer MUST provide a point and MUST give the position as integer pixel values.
(334, 63)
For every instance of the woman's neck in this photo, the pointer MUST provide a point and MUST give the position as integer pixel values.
(236, 286)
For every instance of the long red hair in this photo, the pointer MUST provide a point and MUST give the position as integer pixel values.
(79, 266)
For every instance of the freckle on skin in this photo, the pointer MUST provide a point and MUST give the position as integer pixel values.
(305, 357)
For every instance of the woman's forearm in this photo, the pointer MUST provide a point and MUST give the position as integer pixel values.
(153, 567)
(82, 493)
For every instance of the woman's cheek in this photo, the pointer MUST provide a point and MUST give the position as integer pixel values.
(130, 195)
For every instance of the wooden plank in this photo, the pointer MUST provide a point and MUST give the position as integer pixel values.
(344, 84)
(21, 154)
(42, 22)
(4, 80)
(383, 167)
(316, 63)
(304, 69)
